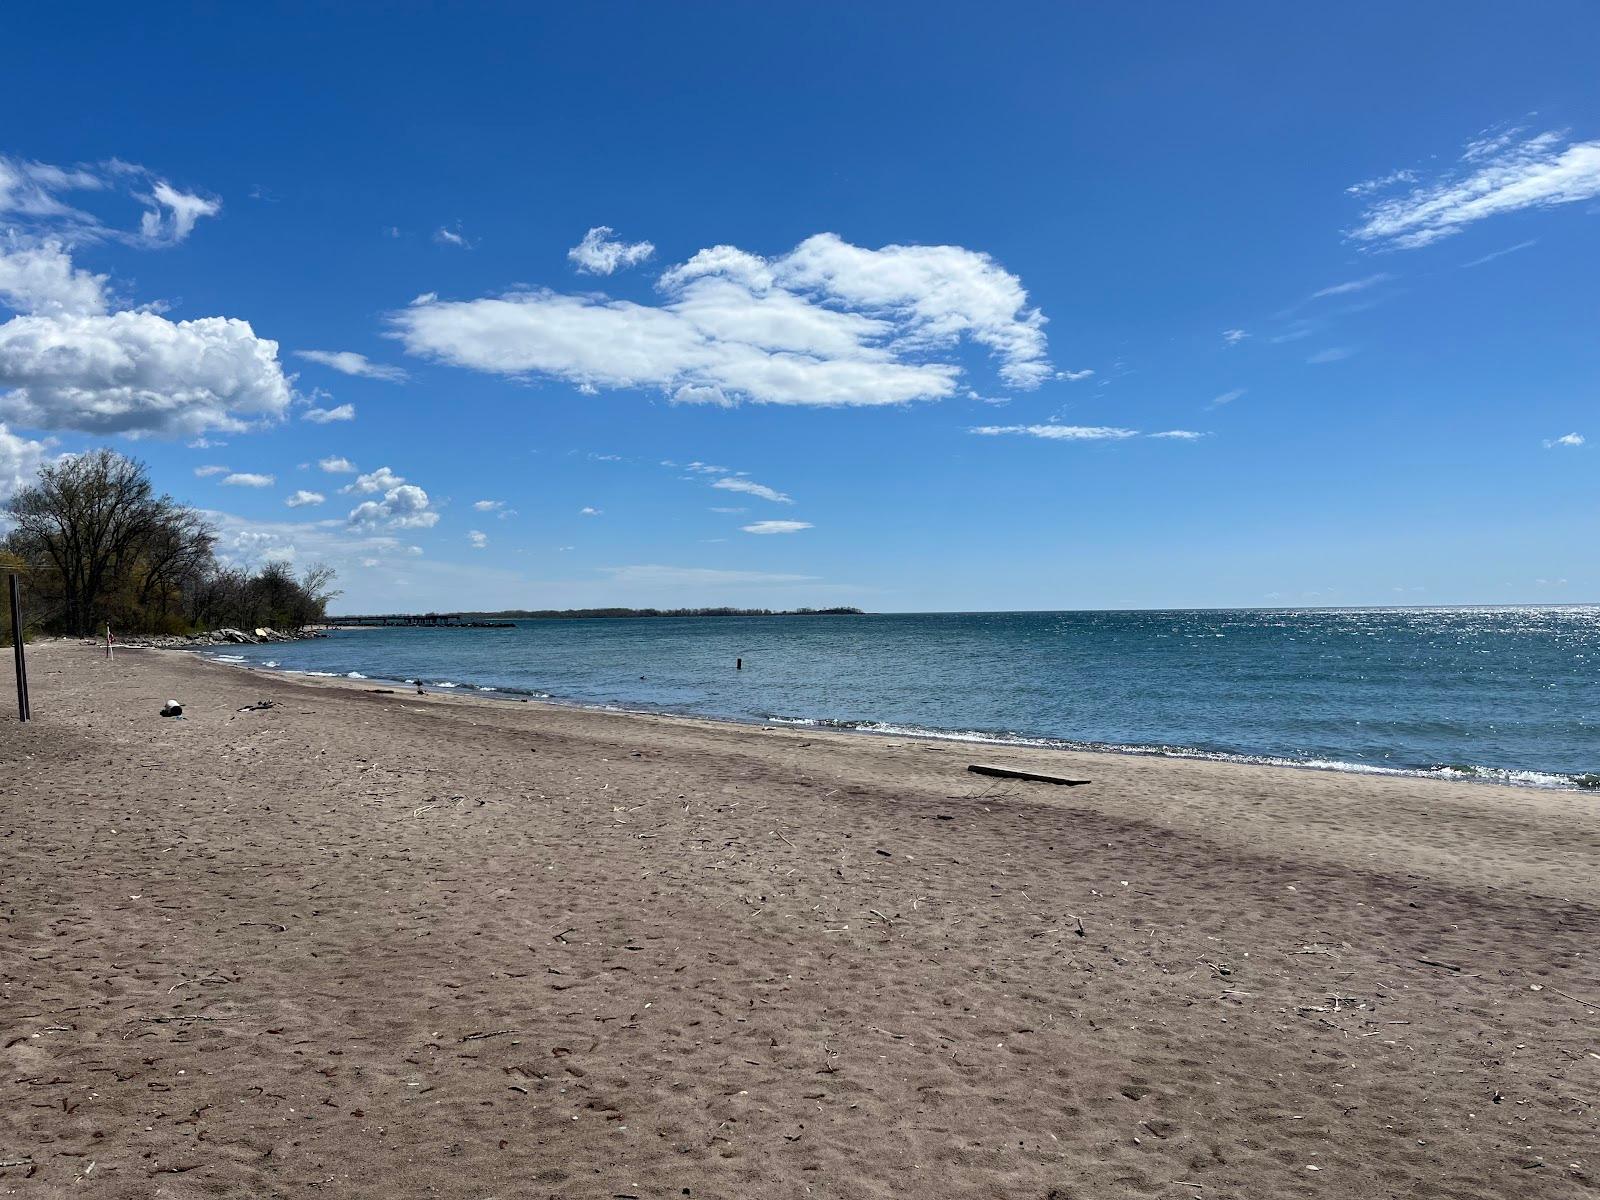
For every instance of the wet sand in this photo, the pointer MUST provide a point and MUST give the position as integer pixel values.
(366, 944)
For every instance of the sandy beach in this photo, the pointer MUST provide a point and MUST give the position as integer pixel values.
(375, 944)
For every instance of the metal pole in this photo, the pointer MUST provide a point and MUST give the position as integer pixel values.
(23, 712)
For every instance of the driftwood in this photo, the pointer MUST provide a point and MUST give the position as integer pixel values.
(1032, 776)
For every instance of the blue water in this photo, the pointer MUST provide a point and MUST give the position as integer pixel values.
(1508, 694)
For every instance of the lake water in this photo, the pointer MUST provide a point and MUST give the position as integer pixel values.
(1508, 694)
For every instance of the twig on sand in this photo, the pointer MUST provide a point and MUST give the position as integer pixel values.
(268, 924)
(1577, 999)
(167, 1020)
(473, 1037)
(1430, 962)
(562, 936)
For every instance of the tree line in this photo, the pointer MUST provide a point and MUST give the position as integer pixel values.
(96, 545)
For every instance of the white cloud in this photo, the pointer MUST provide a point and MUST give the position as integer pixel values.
(1074, 376)
(1227, 397)
(1566, 439)
(1368, 186)
(68, 363)
(601, 254)
(826, 324)
(751, 488)
(208, 471)
(488, 505)
(404, 506)
(1490, 257)
(776, 527)
(302, 498)
(1234, 336)
(1332, 354)
(337, 466)
(380, 480)
(20, 460)
(1496, 174)
(589, 511)
(173, 214)
(247, 479)
(727, 510)
(348, 362)
(40, 279)
(1180, 435)
(1062, 433)
(452, 237)
(478, 539)
(1353, 285)
(322, 416)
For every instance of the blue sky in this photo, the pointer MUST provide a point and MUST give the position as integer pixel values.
(780, 305)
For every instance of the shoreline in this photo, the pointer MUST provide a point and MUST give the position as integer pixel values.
(1478, 775)
(508, 949)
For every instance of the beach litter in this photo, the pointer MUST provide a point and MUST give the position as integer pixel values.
(172, 709)
(257, 706)
(1030, 776)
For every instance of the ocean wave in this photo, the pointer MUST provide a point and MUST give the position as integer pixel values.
(234, 658)
(1582, 781)
(354, 675)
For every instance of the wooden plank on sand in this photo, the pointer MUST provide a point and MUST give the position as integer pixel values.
(1032, 776)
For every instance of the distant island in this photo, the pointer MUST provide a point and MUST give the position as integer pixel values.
(503, 619)
(561, 614)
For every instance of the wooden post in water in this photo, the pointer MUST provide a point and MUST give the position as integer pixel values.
(23, 711)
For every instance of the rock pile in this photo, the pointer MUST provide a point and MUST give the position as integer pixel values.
(219, 637)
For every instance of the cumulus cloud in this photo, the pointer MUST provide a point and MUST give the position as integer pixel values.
(348, 362)
(478, 539)
(68, 362)
(247, 479)
(1498, 173)
(404, 506)
(751, 488)
(337, 466)
(20, 460)
(776, 526)
(488, 505)
(380, 480)
(1566, 439)
(302, 498)
(322, 416)
(589, 511)
(600, 253)
(826, 324)
(1057, 433)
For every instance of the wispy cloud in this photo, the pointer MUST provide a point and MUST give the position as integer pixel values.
(1490, 257)
(1178, 435)
(348, 362)
(477, 539)
(1227, 397)
(1566, 439)
(324, 416)
(1332, 354)
(751, 488)
(210, 469)
(765, 527)
(1353, 285)
(1234, 336)
(1057, 433)
(588, 510)
(446, 236)
(1499, 173)
(600, 253)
